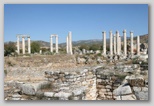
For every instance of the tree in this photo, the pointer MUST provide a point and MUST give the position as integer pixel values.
(95, 47)
(83, 46)
(35, 47)
(9, 48)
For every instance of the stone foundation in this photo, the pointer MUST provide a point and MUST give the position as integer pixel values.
(87, 84)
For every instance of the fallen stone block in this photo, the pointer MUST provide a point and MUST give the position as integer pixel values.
(49, 94)
(122, 90)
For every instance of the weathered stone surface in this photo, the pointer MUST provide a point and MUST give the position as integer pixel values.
(28, 89)
(78, 91)
(16, 96)
(142, 95)
(137, 89)
(128, 97)
(108, 87)
(62, 94)
(49, 94)
(137, 81)
(144, 89)
(128, 70)
(122, 90)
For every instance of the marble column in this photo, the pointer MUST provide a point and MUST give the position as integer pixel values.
(111, 50)
(115, 49)
(29, 46)
(56, 43)
(40, 51)
(125, 42)
(104, 43)
(23, 45)
(51, 44)
(117, 38)
(131, 43)
(138, 45)
(119, 45)
(70, 43)
(67, 45)
(18, 44)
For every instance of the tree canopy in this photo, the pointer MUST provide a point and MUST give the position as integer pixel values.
(35, 47)
(9, 48)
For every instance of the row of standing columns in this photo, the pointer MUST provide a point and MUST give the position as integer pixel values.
(115, 43)
(23, 44)
(68, 43)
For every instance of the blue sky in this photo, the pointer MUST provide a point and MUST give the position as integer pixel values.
(86, 21)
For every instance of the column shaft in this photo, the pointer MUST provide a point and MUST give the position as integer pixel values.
(125, 43)
(56, 44)
(70, 43)
(119, 45)
(117, 38)
(131, 42)
(23, 45)
(29, 46)
(51, 44)
(115, 49)
(111, 50)
(138, 45)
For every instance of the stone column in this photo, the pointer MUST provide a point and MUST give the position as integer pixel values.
(40, 51)
(23, 45)
(115, 49)
(138, 45)
(104, 43)
(70, 43)
(29, 46)
(117, 38)
(119, 45)
(111, 51)
(18, 44)
(125, 43)
(51, 44)
(56, 43)
(131, 43)
(67, 45)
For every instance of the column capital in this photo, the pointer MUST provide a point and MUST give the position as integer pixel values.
(124, 31)
(117, 31)
(104, 32)
(110, 31)
(131, 31)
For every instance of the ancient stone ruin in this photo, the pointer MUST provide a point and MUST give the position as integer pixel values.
(118, 75)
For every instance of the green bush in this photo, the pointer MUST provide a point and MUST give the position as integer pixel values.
(9, 48)
(84, 46)
(35, 47)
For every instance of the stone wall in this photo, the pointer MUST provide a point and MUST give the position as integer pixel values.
(79, 85)
(97, 83)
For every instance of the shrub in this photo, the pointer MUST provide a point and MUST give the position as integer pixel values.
(9, 48)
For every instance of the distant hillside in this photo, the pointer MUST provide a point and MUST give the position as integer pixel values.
(143, 39)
